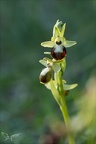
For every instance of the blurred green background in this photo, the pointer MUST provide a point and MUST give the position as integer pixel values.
(26, 106)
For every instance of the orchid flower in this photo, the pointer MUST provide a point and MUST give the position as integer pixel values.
(46, 73)
(58, 36)
(58, 42)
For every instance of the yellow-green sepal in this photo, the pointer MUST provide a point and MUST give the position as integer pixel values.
(55, 66)
(69, 87)
(68, 44)
(65, 86)
(48, 44)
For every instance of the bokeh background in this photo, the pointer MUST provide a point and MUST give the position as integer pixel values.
(26, 106)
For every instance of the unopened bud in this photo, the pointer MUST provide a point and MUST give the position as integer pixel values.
(45, 75)
(66, 92)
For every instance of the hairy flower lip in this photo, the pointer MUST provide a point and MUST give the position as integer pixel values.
(46, 75)
(57, 54)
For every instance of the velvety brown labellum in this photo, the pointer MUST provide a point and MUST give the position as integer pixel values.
(45, 77)
(58, 55)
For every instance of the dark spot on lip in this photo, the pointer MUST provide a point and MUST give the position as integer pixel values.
(58, 43)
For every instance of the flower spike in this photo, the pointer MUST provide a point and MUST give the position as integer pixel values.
(51, 75)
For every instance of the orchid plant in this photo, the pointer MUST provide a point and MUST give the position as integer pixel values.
(51, 75)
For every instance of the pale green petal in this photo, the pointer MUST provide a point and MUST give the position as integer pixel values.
(47, 53)
(63, 30)
(69, 87)
(69, 43)
(63, 81)
(48, 44)
(59, 24)
(43, 62)
(65, 86)
(56, 32)
(56, 67)
(59, 29)
(48, 86)
(55, 29)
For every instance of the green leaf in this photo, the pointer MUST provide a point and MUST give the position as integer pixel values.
(54, 92)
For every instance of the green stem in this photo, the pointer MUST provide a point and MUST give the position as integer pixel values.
(65, 114)
(64, 109)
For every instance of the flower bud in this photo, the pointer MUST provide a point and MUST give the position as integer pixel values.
(66, 92)
(45, 75)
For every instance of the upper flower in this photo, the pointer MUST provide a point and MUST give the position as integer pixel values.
(58, 37)
(58, 42)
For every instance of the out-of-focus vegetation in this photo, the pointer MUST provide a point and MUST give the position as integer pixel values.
(26, 106)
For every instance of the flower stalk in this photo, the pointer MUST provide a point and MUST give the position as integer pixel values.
(55, 67)
(64, 110)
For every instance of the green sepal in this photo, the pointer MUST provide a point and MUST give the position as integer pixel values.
(55, 66)
(48, 44)
(69, 87)
(68, 43)
(65, 86)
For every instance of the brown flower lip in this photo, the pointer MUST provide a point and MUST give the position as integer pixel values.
(58, 55)
(45, 75)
